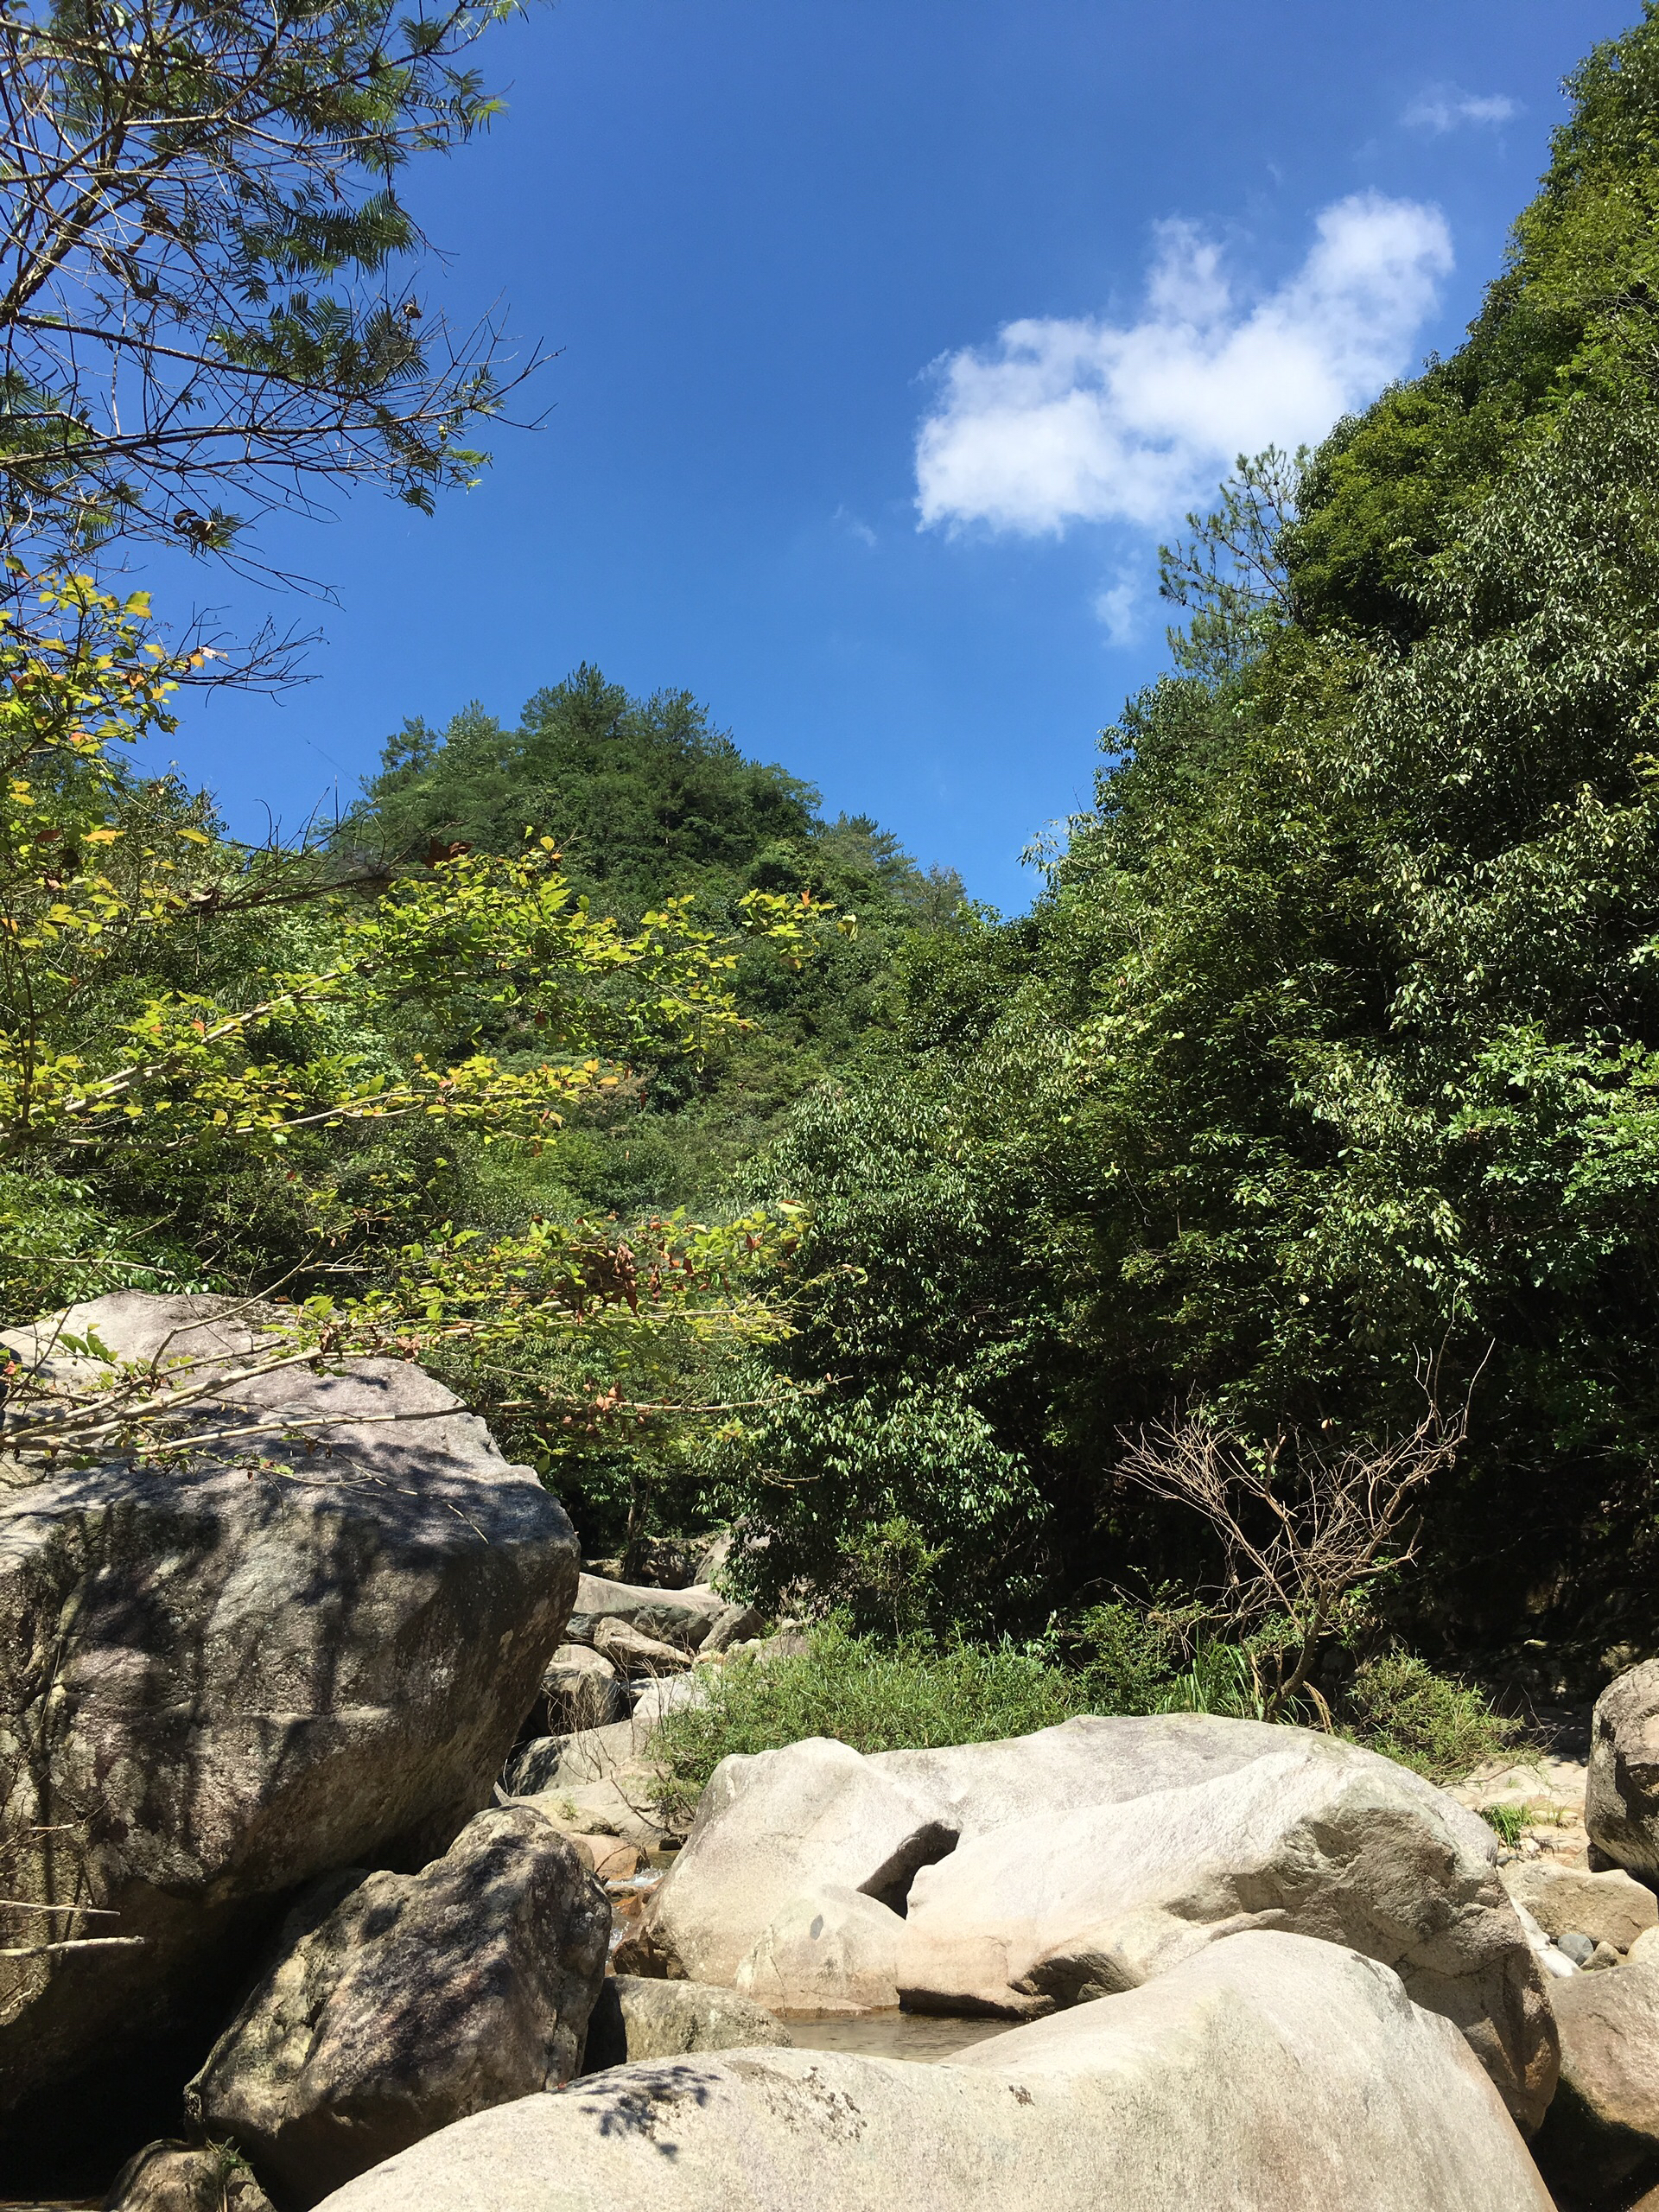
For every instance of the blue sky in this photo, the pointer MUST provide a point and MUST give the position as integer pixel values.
(891, 333)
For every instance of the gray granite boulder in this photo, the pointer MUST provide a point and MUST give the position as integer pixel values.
(581, 1689)
(1603, 2126)
(1041, 1871)
(635, 2019)
(396, 2003)
(218, 1681)
(1313, 1836)
(1621, 1798)
(637, 1656)
(186, 2178)
(773, 1826)
(1268, 2071)
(682, 1618)
(1608, 1908)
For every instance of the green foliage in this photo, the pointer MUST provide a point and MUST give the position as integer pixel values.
(881, 1697)
(639, 792)
(643, 796)
(1438, 1726)
(885, 1479)
(180, 1017)
(200, 221)
(1570, 318)
(878, 1696)
(1508, 1821)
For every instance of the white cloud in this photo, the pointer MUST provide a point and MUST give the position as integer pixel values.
(1065, 421)
(1445, 108)
(843, 519)
(1117, 607)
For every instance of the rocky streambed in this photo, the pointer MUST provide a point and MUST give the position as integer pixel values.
(353, 1760)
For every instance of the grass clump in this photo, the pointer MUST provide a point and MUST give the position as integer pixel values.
(914, 1695)
(1398, 1705)
(1509, 1821)
(919, 1695)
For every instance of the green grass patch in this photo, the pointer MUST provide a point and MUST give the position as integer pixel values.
(1439, 1727)
(880, 1697)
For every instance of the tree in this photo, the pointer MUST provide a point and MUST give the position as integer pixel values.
(111, 1072)
(200, 224)
(1304, 1532)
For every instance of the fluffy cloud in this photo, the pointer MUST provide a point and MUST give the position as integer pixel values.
(1064, 421)
(1444, 111)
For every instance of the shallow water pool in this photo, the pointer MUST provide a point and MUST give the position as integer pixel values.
(928, 2037)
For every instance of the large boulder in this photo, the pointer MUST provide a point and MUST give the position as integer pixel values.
(397, 2003)
(682, 1618)
(220, 1679)
(602, 1782)
(830, 1949)
(635, 2019)
(1267, 2071)
(773, 1826)
(532, 1766)
(580, 1689)
(1093, 1761)
(1603, 2126)
(1311, 1837)
(637, 1656)
(1621, 1798)
(1044, 1870)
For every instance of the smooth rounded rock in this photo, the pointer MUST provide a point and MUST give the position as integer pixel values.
(400, 2002)
(636, 2020)
(1042, 1870)
(1608, 1908)
(1603, 2126)
(1621, 1798)
(1270, 2072)
(771, 1827)
(220, 1679)
(581, 1689)
(186, 2178)
(682, 1618)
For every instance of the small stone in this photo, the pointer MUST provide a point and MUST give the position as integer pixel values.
(633, 1654)
(1578, 1948)
(1603, 1955)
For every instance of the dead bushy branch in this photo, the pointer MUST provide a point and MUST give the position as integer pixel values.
(1303, 1530)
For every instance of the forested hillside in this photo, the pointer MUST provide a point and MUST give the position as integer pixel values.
(741, 1170)
(1332, 1046)
(648, 802)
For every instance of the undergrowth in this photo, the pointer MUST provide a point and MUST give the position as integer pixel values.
(880, 1697)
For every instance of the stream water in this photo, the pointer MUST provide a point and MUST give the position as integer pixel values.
(929, 2036)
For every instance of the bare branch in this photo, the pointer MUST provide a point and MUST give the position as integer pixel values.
(1302, 1530)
